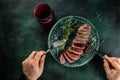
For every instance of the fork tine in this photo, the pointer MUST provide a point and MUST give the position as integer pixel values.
(56, 44)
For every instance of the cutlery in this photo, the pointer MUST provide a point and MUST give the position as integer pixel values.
(55, 44)
(89, 47)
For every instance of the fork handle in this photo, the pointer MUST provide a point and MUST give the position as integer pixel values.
(47, 51)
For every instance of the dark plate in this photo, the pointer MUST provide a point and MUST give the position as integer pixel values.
(56, 33)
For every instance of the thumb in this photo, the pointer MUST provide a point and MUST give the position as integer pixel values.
(112, 62)
(42, 61)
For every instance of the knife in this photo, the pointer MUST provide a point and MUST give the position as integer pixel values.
(89, 47)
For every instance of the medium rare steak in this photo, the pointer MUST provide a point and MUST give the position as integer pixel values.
(62, 59)
(74, 52)
(72, 55)
(68, 58)
(78, 45)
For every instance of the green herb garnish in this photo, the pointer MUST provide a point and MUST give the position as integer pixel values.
(68, 29)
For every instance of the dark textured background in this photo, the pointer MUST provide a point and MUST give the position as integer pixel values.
(20, 34)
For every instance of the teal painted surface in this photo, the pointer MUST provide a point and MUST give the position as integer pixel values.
(20, 34)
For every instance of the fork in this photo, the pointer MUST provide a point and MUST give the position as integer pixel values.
(96, 51)
(55, 44)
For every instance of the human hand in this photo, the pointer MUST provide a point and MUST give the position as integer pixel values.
(33, 65)
(112, 67)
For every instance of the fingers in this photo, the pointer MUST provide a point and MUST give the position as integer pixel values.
(113, 62)
(42, 61)
(38, 56)
(118, 60)
(107, 67)
(31, 56)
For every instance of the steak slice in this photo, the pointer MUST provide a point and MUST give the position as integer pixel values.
(84, 30)
(76, 50)
(78, 45)
(68, 58)
(78, 41)
(81, 39)
(85, 27)
(62, 59)
(72, 55)
(84, 36)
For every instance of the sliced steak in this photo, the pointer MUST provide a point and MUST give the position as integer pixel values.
(72, 55)
(85, 36)
(81, 39)
(85, 26)
(78, 45)
(62, 59)
(68, 58)
(84, 30)
(74, 52)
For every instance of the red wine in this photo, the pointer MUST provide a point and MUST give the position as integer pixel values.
(44, 14)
